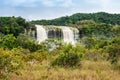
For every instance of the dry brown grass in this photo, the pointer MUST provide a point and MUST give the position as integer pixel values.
(90, 70)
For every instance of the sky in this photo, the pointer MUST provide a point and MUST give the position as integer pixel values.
(50, 9)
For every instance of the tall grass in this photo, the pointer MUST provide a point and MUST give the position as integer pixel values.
(90, 70)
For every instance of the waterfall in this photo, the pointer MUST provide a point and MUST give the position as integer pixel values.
(41, 33)
(68, 35)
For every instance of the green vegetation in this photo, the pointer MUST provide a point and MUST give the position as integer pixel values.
(10, 61)
(75, 18)
(95, 57)
(99, 24)
(23, 41)
(68, 56)
(13, 25)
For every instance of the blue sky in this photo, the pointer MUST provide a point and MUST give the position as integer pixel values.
(50, 9)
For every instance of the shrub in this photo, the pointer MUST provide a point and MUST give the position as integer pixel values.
(101, 43)
(69, 56)
(67, 59)
(36, 56)
(89, 42)
(114, 53)
(10, 61)
(94, 42)
(26, 42)
(8, 42)
(94, 54)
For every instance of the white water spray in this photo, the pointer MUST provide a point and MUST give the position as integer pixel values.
(41, 33)
(68, 36)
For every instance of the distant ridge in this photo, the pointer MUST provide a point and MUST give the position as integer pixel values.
(73, 19)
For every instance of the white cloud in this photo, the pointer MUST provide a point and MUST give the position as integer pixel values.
(48, 9)
(48, 3)
(35, 3)
(59, 3)
(111, 6)
(68, 3)
(23, 3)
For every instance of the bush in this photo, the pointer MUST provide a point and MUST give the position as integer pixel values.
(89, 42)
(26, 42)
(114, 53)
(69, 56)
(23, 41)
(8, 42)
(10, 61)
(36, 56)
(67, 60)
(94, 54)
(102, 43)
(94, 42)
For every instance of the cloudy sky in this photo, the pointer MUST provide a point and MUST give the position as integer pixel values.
(50, 9)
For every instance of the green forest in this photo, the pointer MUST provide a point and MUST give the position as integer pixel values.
(96, 56)
(102, 17)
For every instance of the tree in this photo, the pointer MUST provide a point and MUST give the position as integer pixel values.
(97, 17)
(8, 42)
(13, 25)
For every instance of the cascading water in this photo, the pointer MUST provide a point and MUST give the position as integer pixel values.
(68, 35)
(41, 33)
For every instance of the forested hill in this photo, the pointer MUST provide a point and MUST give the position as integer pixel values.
(73, 19)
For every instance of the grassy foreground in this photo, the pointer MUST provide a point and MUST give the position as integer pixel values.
(88, 70)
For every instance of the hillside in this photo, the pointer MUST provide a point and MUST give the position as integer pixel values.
(73, 19)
